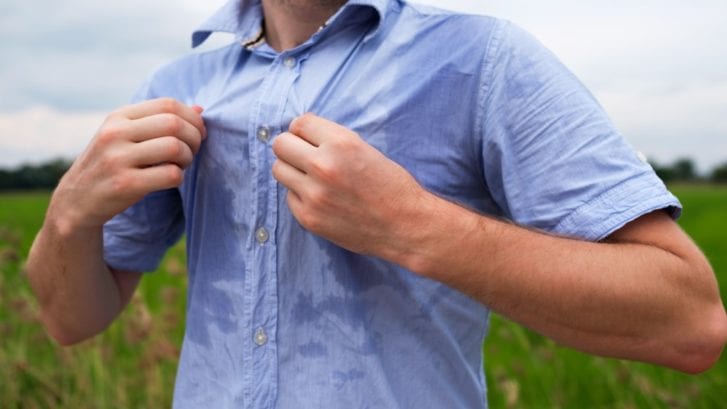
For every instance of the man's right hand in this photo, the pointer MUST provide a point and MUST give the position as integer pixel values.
(138, 149)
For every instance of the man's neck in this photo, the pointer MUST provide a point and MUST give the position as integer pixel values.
(289, 23)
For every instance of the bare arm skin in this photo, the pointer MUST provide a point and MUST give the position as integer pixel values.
(139, 149)
(646, 293)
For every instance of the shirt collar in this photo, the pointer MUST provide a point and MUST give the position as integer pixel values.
(244, 19)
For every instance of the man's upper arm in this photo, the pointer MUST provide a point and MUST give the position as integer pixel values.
(126, 281)
(658, 229)
(552, 159)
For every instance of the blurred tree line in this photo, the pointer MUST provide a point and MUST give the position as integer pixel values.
(46, 175)
(685, 171)
(34, 177)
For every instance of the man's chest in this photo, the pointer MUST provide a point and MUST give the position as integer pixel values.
(424, 119)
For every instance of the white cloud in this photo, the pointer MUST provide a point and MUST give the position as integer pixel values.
(42, 133)
(81, 55)
(681, 110)
(682, 122)
(658, 66)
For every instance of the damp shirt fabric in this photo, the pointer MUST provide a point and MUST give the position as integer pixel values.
(477, 110)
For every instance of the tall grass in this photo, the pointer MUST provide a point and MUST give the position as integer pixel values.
(132, 364)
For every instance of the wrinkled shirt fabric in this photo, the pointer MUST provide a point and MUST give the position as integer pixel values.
(472, 106)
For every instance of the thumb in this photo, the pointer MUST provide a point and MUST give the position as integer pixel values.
(198, 109)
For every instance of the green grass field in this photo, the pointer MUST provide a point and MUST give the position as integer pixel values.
(132, 364)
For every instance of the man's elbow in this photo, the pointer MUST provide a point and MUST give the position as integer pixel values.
(69, 340)
(62, 335)
(706, 343)
(66, 340)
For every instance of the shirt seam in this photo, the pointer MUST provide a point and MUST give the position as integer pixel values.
(488, 68)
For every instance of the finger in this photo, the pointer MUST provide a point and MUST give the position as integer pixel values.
(293, 150)
(162, 106)
(295, 203)
(316, 130)
(159, 177)
(167, 149)
(165, 124)
(289, 176)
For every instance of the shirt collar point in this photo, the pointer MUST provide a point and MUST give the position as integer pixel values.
(239, 17)
(199, 37)
(381, 8)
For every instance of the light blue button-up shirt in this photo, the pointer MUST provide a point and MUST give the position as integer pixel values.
(477, 110)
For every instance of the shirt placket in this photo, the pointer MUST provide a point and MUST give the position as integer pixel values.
(261, 304)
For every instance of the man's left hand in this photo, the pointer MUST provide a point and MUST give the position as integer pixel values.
(343, 189)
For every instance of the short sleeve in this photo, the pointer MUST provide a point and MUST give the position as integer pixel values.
(138, 238)
(552, 159)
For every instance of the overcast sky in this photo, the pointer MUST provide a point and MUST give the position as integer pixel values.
(658, 67)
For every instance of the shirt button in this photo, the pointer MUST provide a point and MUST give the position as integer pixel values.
(261, 235)
(260, 338)
(289, 62)
(263, 134)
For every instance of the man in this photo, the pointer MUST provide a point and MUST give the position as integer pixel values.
(349, 258)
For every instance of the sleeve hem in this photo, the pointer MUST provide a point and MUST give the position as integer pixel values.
(125, 255)
(617, 207)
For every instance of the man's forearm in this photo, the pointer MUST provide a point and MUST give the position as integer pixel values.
(77, 293)
(631, 299)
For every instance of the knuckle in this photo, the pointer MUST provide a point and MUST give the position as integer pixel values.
(324, 170)
(300, 123)
(276, 169)
(174, 175)
(109, 133)
(309, 220)
(318, 198)
(111, 161)
(172, 147)
(122, 184)
(172, 124)
(278, 141)
(117, 113)
(196, 143)
(167, 104)
(344, 144)
(185, 154)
